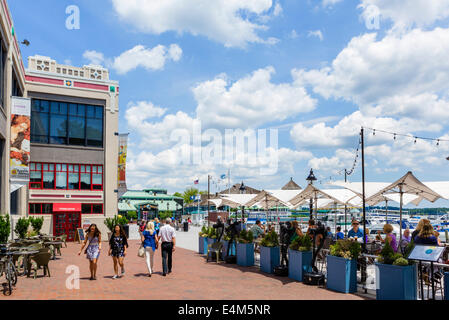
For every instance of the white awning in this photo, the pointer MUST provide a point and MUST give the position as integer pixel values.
(236, 200)
(266, 200)
(313, 192)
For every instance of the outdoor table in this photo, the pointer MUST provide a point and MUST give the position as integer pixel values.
(26, 257)
(54, 244)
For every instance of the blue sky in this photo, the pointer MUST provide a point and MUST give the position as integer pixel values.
(312, 68)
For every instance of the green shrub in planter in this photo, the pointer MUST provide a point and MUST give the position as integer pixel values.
(301, 243)
(269, 252)
(36, 223)
(397, 275)
(342, 266)
(5, 228)
(245, 237)
(21, 228)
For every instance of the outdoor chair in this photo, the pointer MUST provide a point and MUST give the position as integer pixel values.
(46, 250)
(216, 247)
(41, 260)
(62, 238)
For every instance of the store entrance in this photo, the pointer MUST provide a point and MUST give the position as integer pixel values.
(66, 223)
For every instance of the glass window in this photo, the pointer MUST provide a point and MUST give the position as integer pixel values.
(74, 181)
(49, 180)
(35, 208)
(47, 208)
(77, 131)
(39, 127)
(62, 123)
(85, 181)
(58, 129)
(86, 208)
(61, 180)
(97, 208)
(97, 181)
(94, 132)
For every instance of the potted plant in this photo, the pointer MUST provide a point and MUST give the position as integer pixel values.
(211, 235)
(269, 252)
(202, 244)
(245, 249)
(5, 228)
(112, 222)
(21, 228)
(300, 257)
(226, 239)
(36, 223)
(123, 221)
(397, 276)
(342, 266)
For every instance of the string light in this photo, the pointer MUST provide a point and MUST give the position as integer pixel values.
(416, 138)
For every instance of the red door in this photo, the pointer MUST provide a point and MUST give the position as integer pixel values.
(66, 223)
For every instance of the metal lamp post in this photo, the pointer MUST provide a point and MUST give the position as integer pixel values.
(311, 178)
(242, 191)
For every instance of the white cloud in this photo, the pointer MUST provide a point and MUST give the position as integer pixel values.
(330, 3)
(398, 71)
(139, 56)
(316, 33)
(293, 34)
(346, 132)
(277, 9)
(249, 102)
(94, 57)
(406, 14)
(142, 110)
(150, 59)
(224, 21)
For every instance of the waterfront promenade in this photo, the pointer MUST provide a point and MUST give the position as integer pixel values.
(192, 278)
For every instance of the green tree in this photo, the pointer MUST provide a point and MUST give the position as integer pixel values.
(5, 228)
(177, 194)
(189, 193)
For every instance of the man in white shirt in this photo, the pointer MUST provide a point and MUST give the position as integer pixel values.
(168, 238)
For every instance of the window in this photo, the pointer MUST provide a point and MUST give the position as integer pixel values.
(40, 208)
(88, 208)
(62, 176)
(16, 91)
(63, 123)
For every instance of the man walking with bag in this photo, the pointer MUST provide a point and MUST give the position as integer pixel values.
(168, 238)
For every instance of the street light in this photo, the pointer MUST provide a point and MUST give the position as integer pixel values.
(242, 190)
(311, 178)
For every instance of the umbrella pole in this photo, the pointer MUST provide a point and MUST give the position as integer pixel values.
(400, 213)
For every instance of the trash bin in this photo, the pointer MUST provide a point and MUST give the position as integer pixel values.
(186, 227)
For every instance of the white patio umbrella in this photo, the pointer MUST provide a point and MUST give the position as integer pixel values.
(408, 184)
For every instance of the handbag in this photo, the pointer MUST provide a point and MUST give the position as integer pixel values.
(141, 251)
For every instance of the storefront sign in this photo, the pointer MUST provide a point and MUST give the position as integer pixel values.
(20, 142)
(67, 207)
(122, 152)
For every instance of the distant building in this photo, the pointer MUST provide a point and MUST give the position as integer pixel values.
(149, 202)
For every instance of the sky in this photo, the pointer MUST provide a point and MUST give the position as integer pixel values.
(307, 73)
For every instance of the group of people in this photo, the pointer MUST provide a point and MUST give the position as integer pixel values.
(424, 234)
(151, 235)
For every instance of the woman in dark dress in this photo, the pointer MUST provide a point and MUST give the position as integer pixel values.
(117, 249)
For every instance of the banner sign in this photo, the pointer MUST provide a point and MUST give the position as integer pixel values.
(122, 152)
(20, 142)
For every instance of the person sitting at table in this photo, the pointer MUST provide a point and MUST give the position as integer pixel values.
(329, 233)
(426, 236)
(355, 232)
(419, 227)
(339, 235)
(257, 229)
(390, 237)
(367, 239)
(406, 238)
(298, 232)
(437, 235)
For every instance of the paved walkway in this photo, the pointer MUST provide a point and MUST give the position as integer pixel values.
(192, 278)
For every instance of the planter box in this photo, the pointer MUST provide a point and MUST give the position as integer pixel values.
(341, 274)
(245, 254)
(299, 262)
(210, 241)
(269, 258)
(396, 282)
(202, 245)
(225, 249)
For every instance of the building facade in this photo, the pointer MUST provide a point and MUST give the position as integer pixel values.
(74, 139)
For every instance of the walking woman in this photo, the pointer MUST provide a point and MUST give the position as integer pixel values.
(93, 242)
(150, 242)
(117, 249)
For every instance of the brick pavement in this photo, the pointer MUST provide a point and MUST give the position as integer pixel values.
(192, 278)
